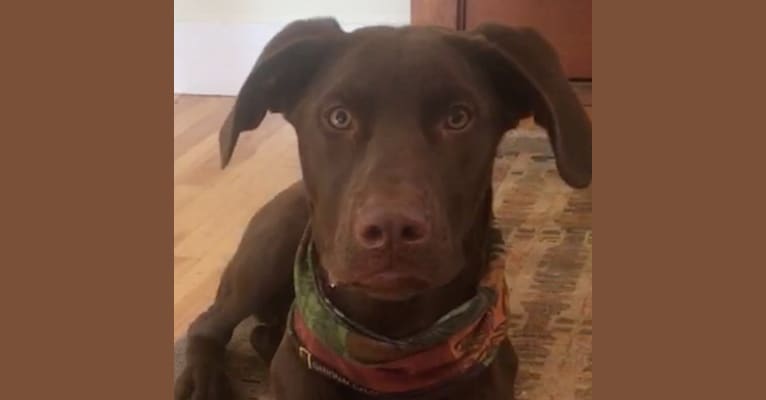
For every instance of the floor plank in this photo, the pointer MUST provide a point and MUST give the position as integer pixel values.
(211, 205)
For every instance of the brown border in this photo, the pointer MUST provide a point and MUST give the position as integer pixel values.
(678, 154)
(87, 210)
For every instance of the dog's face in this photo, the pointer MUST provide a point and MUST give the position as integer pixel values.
(397, 131)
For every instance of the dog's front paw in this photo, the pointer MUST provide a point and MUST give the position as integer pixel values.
(203, 382)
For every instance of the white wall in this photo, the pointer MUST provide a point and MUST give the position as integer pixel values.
(217, 41)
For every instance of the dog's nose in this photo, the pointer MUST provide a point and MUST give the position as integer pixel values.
(377, 228)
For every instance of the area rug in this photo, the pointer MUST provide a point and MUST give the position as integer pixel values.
(547, 228)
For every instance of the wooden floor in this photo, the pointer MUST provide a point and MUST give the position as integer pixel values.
(212, 206)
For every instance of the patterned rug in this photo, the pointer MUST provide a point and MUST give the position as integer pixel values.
(547, 227)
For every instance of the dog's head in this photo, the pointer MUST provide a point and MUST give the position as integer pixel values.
(397, 131)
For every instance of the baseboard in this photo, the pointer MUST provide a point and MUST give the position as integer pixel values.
(215, 58)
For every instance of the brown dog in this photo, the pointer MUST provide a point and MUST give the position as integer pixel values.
(397, 131)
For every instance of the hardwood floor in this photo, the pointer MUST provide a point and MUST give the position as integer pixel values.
(211, 205)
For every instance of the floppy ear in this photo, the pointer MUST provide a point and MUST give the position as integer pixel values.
(527, 73)
(283, 69)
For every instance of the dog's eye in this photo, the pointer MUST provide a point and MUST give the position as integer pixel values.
(458, 118)
(339, 118)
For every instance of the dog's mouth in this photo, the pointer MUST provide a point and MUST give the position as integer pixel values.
(391, 285)
(386, 285)
(385, 276)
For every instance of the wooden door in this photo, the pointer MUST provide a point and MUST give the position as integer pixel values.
(447, 13)
(565, 23)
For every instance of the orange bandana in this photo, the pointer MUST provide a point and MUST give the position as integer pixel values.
(462, 342)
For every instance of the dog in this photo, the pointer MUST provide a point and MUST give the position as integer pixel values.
(378, 275)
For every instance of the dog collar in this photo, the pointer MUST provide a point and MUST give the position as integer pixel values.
(462, 342)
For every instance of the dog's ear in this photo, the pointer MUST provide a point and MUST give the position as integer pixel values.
(283, 69)
(527, 73)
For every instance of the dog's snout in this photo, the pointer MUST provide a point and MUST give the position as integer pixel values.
(379, 227)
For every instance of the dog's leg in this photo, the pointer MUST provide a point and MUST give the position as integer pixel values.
(507, 367)
(268, 332)
(258, 281)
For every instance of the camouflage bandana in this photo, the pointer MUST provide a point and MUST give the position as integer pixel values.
(461, 343)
